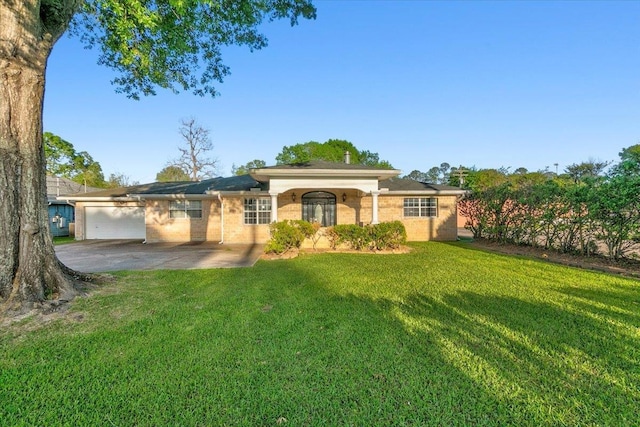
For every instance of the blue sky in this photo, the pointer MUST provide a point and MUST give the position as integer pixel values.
(484, 84)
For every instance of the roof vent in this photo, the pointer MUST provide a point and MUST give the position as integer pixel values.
(347, 157)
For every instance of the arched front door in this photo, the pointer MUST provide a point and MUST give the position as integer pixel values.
(320, 207)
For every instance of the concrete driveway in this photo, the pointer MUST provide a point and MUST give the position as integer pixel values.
(92, 256)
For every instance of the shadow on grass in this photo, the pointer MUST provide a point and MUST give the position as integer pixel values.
(548, 364)
(569, 355)
(314, 341)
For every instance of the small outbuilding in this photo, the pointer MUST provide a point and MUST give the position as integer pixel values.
(62, 212)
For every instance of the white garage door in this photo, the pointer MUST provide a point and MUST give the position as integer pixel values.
(106, 222)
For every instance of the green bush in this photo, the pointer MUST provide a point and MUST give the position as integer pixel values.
(354, 235)
(287, 235)
(386, 235)
(333, 237)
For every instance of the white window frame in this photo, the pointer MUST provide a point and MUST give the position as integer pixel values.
(420, 207)
(185, 209)
(257, 210)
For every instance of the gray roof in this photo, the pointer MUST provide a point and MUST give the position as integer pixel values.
(406, 184)
(234, 183)
(57, 186)
(246, 183)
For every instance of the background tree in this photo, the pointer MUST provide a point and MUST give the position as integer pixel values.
(63, 160)
(521, 171)
(629, 162)
(416, 175)
(482, 179)
(332, 150)
(118, 179)
(244, 169)
(368, 158)
(445, 173)
(159, 43)
(435, 175)
(194, 158)
(299, 153)
(59, 155)
(171, 173)
(87, 171)
(589, 169)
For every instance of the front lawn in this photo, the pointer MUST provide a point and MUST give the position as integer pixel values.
(445, 335)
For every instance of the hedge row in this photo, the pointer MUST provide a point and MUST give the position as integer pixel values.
(289, 234)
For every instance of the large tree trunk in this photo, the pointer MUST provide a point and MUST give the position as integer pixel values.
(30, 273)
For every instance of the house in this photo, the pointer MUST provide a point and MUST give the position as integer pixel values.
(61, 212)
(239, 209)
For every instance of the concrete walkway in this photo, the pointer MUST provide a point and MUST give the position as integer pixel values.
(92, 256)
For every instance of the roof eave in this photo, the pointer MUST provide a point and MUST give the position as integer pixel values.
(264, 175)
(98, 199)
(426, 192)
(177, 196)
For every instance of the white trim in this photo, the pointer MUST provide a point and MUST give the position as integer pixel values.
(423, 193)
(98, 199)
(374, 207)
(221, 219)
(268, 174)
(282, 185)
(201, 196)
(274, 207)
(241, 193)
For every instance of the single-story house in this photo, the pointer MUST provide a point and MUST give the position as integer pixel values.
(61, 212)
(239, 209)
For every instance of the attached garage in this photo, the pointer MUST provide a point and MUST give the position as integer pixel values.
(114, 222)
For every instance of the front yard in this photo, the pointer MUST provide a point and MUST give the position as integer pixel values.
(444, 335)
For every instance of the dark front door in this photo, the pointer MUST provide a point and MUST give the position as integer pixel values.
(320, 207)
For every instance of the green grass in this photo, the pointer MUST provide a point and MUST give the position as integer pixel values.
(62, 240)
(445, 335)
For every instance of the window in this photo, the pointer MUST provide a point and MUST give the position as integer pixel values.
(257, 211)
(185, 209)
(421, 206)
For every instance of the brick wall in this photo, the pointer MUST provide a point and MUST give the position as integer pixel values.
(162, 228)
(442, 227)
(235, 230)
(355, 210)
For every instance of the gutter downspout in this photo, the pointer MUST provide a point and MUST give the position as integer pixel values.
(221, 219)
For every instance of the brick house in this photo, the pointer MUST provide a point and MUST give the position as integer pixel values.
(239, 209)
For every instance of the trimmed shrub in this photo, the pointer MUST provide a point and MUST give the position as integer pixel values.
(386, 235)
(353, 235)
(333, 237)
(287, 235)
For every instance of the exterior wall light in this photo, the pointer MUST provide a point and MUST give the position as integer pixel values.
(293, 197)
(344, 197)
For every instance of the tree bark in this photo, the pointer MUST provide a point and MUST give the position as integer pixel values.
(30, 272)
